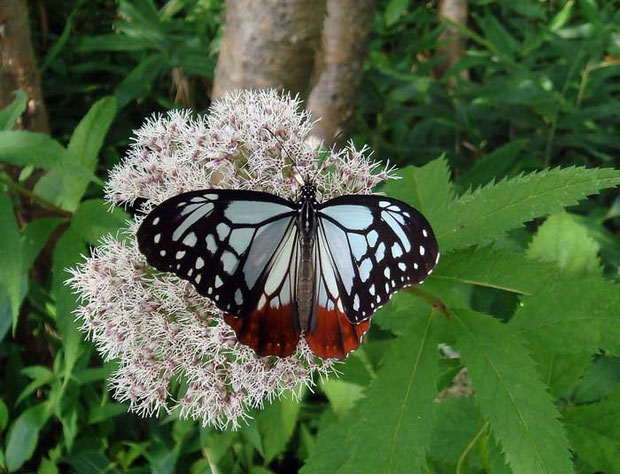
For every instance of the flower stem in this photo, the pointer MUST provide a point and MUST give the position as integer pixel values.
(44, 203)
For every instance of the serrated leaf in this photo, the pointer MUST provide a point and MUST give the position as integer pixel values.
(10, 114)
(457, 422)
(276, 424)
(495, 268)
(573, 316)
(389, 430)
(511, 395)
(561, 372)
(427, 188)
(561, 239)
(601, 380)
(24, 435)
(11, 261)
(406, 305)
(62, 187)
(93, 219)
(488, 212)
(595, 434)
(342, 395)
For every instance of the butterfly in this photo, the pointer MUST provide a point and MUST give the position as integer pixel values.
(281, 270)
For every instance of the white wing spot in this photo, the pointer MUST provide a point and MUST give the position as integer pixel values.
(180, 254)
(340, 308)
(190, 271)
(384, 203)
(387, 287)
(372, 237)
(222, 231)
(380, 252)
(415, 266)
(365, 268)
(199, 263)
(356, 302)
(386, 272)
(198, 278)
(157, 238)
(162, 253)
(211, 245)
(218, 281)
(424, 233)
(229, 260)
(437, 259)
(156, 221)
(402, 266)
(262, 301)
(371, 290)
(422, 250)
(190, 239)
(397, 250)
(238, 296)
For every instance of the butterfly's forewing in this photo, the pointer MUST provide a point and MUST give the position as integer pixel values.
(377, 246)
(238, 249)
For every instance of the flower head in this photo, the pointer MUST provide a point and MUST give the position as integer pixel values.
(175, 351)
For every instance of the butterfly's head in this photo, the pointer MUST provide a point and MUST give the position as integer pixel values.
(308, 192)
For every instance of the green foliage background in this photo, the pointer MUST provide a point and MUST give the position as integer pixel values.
(525, 297)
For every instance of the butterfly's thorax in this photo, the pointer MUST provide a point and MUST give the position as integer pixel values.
(306, 225)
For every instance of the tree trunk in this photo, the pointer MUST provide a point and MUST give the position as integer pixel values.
(18, 68)
(453, 42)
(269, 44)
(338, 70)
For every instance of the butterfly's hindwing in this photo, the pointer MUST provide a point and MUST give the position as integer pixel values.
(331, 334)
(377, 245)
(222, 241)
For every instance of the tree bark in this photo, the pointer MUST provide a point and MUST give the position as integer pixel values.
(18, 68)
(269, 43)
(453, 42)
(338, 69)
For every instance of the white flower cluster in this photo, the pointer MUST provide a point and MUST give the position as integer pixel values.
(174, 349)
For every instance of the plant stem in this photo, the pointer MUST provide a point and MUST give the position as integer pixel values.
(437, 303)
(469, 447)
(44, 203)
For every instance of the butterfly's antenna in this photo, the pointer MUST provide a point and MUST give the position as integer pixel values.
(294, 169)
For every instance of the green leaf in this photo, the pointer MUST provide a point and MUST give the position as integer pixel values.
(11, 261)
(4, 415)
(602, 379)
(427, 188)
(10, 114)
(563, 240)
(595, 434)
(406, 305)
(24, 435)
(62, 187)
(573, 316)
(457, 422)
(67, 253)
(34, 237)
(488, 212)
(24, 148)
(495, 268)
(394, 10)
(93, 219)
(276, 424)
(139, 80)
(390, 429)
(113, 43)
(101, 413)
(342, 395)
(561, 372)
(90, 461)
(511, 395)
(493, 165)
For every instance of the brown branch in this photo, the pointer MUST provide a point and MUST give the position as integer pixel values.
(338, 70)
(268, 44)
(453, 43)
(18, 68)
